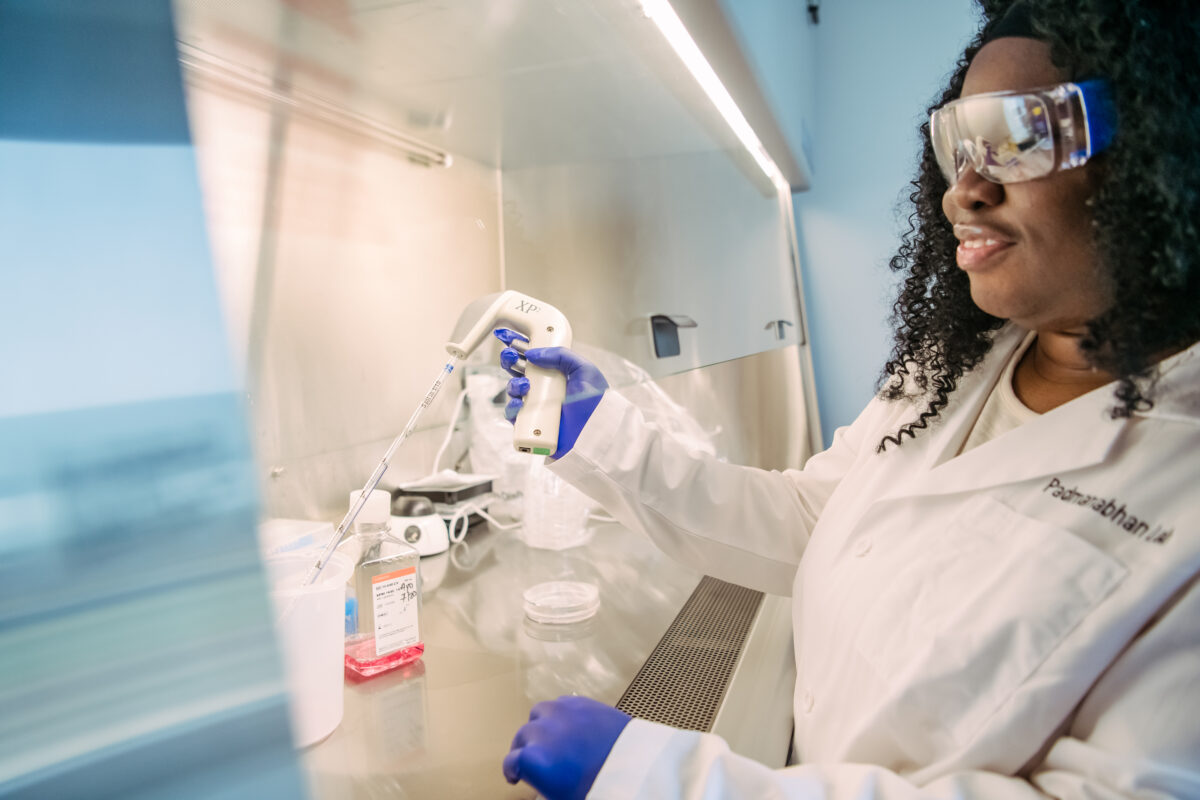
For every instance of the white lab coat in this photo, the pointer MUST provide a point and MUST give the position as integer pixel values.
(1019, 621)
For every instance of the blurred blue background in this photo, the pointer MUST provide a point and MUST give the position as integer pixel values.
(136, 647)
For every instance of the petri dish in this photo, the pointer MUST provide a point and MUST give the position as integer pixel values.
(561, 602)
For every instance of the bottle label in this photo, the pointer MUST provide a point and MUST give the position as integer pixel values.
(395, 594)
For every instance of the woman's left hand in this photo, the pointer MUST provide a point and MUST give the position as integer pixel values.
(560, 750)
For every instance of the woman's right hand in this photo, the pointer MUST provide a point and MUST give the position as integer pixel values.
(585, 384)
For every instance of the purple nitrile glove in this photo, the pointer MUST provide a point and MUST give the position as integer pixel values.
(561, 749)
(585, 384)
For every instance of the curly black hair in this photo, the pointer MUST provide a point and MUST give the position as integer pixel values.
(1143, 209)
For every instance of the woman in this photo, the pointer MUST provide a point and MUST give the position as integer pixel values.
(996, 567)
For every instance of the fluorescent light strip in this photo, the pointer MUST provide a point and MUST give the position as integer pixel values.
(661, 13)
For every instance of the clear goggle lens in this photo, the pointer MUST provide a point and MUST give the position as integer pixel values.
(1008, 137)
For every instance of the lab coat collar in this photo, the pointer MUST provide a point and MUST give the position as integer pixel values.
(1074, 435)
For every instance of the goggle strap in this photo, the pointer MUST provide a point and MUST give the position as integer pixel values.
(1099, 113)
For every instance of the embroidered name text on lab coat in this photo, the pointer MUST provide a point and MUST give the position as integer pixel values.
(1112, 510)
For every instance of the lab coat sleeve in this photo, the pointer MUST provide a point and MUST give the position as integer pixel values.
(651, 760)
(1135, 735)
(740, 524)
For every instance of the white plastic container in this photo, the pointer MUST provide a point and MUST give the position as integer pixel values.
(310, 624)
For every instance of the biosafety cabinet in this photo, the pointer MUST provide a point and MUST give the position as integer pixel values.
(370, 167)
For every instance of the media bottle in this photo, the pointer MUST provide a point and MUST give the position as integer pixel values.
(383, 606)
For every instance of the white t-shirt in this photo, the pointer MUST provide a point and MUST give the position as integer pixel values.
(1003, 410)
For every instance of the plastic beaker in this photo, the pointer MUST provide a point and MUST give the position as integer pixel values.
(310, 626)
(556, 513)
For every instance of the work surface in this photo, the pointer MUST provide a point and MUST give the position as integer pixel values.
(441, 727)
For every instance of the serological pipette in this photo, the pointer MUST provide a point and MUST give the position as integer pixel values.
(381, 468)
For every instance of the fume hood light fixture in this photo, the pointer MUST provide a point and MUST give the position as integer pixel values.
(199, 64)
(661, 13)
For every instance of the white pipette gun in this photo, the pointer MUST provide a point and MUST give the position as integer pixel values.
(536, 427)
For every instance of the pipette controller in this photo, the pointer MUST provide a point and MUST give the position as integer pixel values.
(536, 427)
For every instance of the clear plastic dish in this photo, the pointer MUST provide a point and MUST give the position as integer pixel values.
(561, 602)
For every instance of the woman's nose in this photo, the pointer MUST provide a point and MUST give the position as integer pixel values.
(972, 191)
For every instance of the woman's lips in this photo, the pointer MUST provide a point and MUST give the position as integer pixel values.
(975, 252)
(978, 245)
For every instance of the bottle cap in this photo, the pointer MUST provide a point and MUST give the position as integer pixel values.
(377, 511)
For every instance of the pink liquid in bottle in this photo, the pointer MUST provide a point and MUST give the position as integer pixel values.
(362, 663)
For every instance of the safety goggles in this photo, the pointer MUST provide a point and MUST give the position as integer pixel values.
(1009, 137)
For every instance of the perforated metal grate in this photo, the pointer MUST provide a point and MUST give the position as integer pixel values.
(684, 679)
